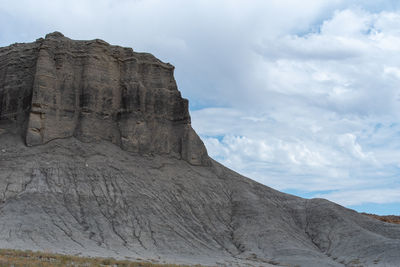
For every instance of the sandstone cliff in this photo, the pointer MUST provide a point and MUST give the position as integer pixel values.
(57, 88)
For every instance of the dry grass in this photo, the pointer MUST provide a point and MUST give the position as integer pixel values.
(18, 258)
(387, 218)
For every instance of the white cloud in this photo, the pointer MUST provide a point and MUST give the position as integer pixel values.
(357, 197)
(347, 23)
(312, 152)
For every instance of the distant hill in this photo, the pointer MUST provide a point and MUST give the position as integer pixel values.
(387, 218)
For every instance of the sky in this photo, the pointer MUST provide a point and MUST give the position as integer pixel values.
(302, 96)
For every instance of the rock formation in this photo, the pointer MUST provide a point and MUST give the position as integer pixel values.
(97, 157)
(92, 90)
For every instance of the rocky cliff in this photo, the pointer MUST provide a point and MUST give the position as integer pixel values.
(57, 88)
(73, 190)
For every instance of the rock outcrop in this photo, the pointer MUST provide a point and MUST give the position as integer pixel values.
(91, 90)
(73, 190)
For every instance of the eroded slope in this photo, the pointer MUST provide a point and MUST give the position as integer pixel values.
(96, 199)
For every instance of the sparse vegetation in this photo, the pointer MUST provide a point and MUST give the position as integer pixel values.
(18, 258)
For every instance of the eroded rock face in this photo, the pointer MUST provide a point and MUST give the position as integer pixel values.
(95, 199)
(92, 90)
(17, 73)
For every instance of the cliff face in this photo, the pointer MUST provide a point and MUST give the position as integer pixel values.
(17, 73)
(92, 90)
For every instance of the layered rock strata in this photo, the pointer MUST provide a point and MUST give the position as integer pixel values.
(57, 88)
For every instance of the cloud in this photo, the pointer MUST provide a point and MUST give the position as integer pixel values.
(356, 197)
(301, 95)
(323, 114)
(314, 153)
